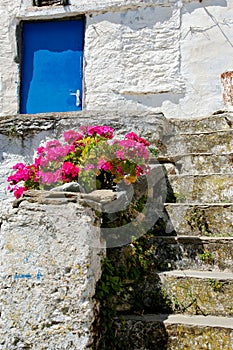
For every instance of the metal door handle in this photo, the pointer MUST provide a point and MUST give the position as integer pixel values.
(77, 95)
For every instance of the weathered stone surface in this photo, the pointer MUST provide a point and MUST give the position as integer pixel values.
(214, 219)
(221, 120)
(132, 43)
(199, 163)
(201, 293)
(153, 127)
(204, 188)
(107, 201)
(46, 197)
(48, 275)
(217, 142)
(201, 253)
(68, 187)
(175, 332)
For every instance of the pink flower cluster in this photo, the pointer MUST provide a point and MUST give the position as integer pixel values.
(135, 137)
(71, 136)
(58, 163)
(53, 151)
(24, 173)
(131, 149)
(104, 131)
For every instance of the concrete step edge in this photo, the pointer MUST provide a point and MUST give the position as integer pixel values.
(200, 204)
(205, 239)
(207, 132)
(173, 158)
(193, 320)
(200, 175)
(217, 275)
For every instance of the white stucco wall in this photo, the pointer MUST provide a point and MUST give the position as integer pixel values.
(153, 55)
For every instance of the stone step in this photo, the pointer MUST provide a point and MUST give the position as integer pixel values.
(184, 252)
(216, 142)
(213, 219)
(213, 122)
(174, 332)
(178, 290)
(198, 163)
(202, 188)
(199, 292)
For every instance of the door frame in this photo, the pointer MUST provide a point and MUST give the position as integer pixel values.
(20, 46)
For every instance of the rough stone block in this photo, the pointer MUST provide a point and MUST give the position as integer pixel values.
(48, 273)
(214, 219)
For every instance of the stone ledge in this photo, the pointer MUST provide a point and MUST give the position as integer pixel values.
(175, 332)
(195, 320)
(88, 7)
(24, 125)
(198, 274)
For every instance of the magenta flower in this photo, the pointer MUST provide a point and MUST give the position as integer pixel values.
(70, 136)
(120, 154)
(120, 170)
(102, 164)
(69, 170)
(40, 151)
(104, 131)
(19, 166)
(89, 167)
(19, 191)
(135, 137)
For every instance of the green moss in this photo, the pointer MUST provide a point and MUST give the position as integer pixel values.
(123, 288)
(206, 257)
(197, 220)
(216, 285)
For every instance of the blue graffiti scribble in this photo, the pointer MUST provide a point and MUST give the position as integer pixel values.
(39, 275)
(27, 258)
(28, 275)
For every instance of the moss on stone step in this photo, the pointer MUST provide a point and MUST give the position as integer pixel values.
(208, 188)
(206, 295)
(201, 220)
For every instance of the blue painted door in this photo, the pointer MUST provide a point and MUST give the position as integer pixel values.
(51, 79)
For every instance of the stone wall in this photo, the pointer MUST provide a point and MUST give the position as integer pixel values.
(48, 273)
(157, 55)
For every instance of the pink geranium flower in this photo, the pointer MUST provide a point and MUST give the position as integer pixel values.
(19, 191)
(104, 131)
(89, 167)
(70, 136)
(69, 170)
(135, 137)
(102, 164)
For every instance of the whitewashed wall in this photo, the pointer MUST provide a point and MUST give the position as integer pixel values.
(159, 55)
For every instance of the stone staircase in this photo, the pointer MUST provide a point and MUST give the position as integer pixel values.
(194, 256)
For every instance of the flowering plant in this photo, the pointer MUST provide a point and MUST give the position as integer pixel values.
(91, 157)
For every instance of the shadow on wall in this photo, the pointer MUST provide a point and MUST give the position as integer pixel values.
(192, 6)
(15, 145)
(155, 100)
(138, 19)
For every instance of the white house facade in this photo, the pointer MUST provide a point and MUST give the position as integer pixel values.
(164, 56)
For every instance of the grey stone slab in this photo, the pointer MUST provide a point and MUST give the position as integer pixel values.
(175, 332)
(203, 188)
(217, 142)
(197, 253)
(199, 163)
(210, 219)
(216, 121)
